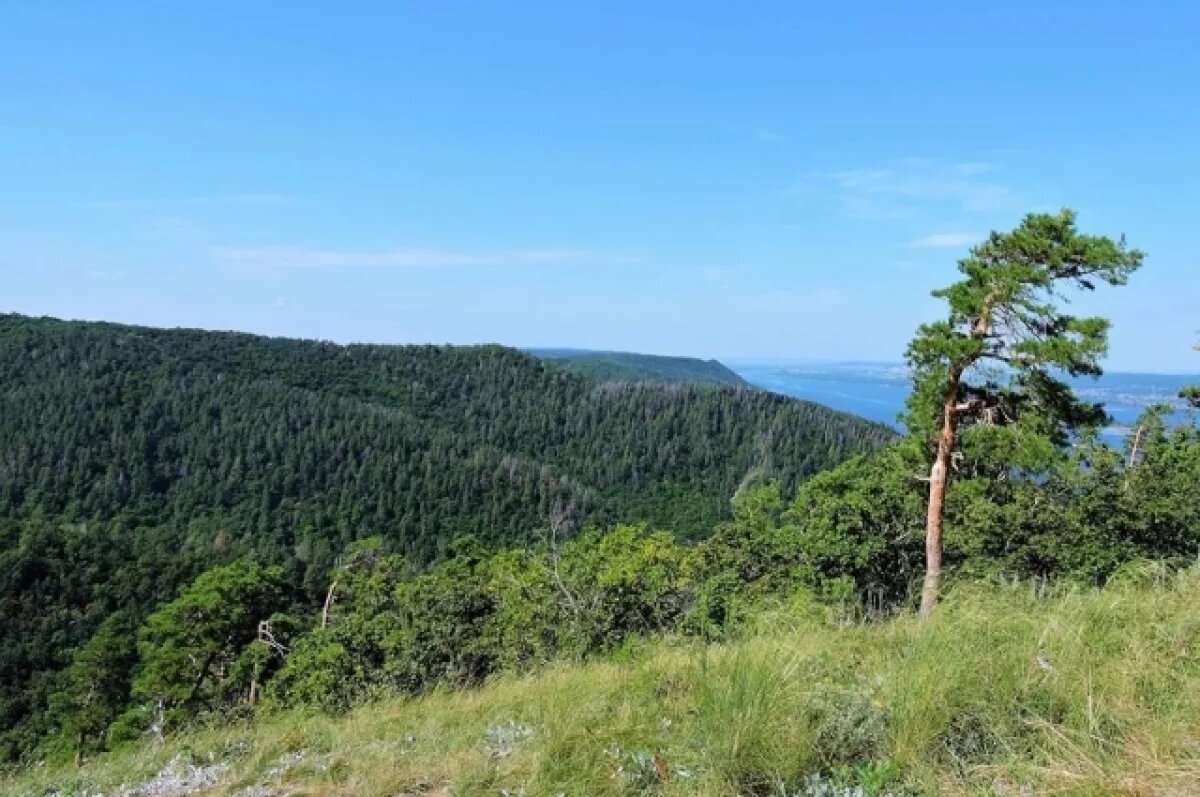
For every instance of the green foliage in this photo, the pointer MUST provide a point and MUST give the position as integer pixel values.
(610, 366)
(475, 615)
(434, 634)
(200, 651)
(850, 536)
(859, 525)
(625, 582)
(524, 628)
(1005, 339)
(285, 440)
(746, 561)
(1089, 515)
(1191, 393)
(1013, 689)
(95, 688)
(58, 582)
(337, 663)
(135, 459)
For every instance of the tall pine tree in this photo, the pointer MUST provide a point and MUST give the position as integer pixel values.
(998, 357)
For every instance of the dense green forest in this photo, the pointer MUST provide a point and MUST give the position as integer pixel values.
(238, 639)
(132, 460)
(611, 366)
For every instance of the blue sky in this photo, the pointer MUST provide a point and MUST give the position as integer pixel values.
(735, 180)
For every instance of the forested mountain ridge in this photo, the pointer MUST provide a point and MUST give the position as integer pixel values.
(132, 459)
(101, 418)
(612, 366)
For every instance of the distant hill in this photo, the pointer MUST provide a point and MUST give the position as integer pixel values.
(615, 366)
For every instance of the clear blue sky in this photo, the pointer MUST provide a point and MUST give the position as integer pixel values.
(778, 180)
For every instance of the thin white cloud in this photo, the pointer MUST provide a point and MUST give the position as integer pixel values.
(896, 191)
(407, 257)
(947, 240)
(236, 200)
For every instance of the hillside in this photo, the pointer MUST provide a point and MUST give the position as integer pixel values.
(132, 459)
(101, 419)
(610, 366)
(1089, 693)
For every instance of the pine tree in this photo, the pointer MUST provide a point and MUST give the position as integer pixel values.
(997, 358)
(96, 686)
(189, 646)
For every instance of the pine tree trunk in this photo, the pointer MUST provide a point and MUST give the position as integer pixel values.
(939, 477)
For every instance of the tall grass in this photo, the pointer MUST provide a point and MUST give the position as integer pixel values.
(1006, 692)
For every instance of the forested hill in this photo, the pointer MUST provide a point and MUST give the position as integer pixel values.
(132, 459)
(612, 366)
(421, 442)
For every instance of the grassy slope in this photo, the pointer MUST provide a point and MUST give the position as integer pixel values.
(607, 366)
(1085, 693)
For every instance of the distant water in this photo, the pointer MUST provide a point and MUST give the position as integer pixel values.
(878, 390)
